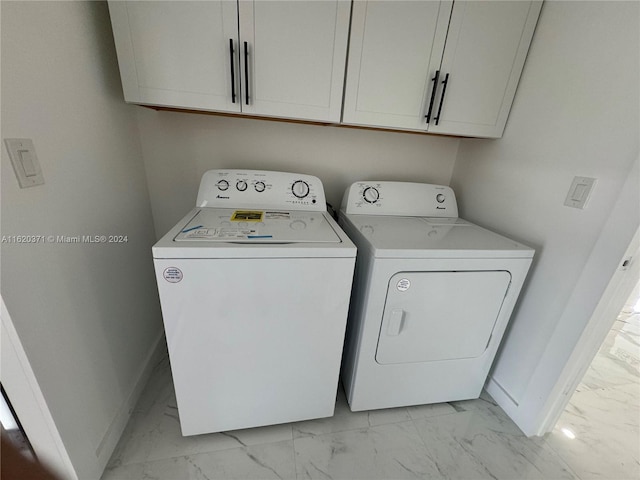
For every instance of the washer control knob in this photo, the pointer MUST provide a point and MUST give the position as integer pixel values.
(371, 195)
(440, 198)
(222, 185)
(300, 188)
(259, 186)
(241, 185)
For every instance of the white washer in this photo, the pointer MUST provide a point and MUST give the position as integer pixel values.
(432, 296)
(254, 285)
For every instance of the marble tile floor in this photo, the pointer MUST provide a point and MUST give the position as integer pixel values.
(459, 440)
(604, 412)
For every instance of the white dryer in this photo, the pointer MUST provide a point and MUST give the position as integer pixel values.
(431, 299)
(254, 285)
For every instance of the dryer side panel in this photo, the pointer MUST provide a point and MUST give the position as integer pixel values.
(435, 316)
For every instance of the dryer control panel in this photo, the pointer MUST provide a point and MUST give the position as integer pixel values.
(261, 189)
(400, 198)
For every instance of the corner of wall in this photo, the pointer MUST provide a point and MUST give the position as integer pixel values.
(116, 428)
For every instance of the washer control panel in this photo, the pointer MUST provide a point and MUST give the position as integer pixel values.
(400, 198)
(260, 189)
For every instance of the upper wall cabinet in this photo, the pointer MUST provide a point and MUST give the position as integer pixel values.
(276, 58)
(443, 67)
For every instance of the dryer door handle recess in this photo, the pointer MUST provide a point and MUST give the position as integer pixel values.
(396, 319)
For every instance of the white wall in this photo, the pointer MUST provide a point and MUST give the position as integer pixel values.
(87, 314)
(575, 113)
(179, 147)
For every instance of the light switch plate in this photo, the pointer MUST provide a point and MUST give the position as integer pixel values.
(579, 192)
(25, 162)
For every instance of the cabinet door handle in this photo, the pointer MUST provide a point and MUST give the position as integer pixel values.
(246, 74)
(433, 96)
(233, 74)
(444, 90)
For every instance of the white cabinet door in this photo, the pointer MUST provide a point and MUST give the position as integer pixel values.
(177, 54)
(486, 48)
(394, 52)
(295, 57)
(475, 51)
(192, 55)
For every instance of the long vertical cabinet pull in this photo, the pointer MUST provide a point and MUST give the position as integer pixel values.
(233, 74)
(433, 96)
(444, 90)
(246, 73)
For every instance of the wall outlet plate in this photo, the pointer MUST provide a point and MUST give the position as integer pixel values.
(579, 192)
(25, 162)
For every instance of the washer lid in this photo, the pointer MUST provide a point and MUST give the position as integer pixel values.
(257, 226)
(419, 237)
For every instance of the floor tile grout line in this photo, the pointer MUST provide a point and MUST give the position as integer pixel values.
(562, 458)
(225, 449)
(295, 457)
(187, 455)
(435, 416)
(367, 427)
(364, 427)
(424, 443)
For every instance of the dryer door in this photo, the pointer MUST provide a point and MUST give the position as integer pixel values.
(430, 316)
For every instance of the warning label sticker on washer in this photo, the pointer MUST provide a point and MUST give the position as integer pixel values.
(172, 274)
(217, 233)
(247, 216)
(277, 215)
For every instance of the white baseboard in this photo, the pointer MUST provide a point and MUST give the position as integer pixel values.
(509, 405)
(116, 428)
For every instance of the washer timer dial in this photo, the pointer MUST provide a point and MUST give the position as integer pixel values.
(300, 188)
(371, 195)
(440, 198)
(241, 185)
(222, 185)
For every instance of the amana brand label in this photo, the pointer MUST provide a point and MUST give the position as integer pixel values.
(403, 284)
(172, 274)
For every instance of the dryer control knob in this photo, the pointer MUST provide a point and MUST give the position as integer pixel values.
(440, 198)
(371, 195)
(241, 185)
(300, 188)
(222, 185)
